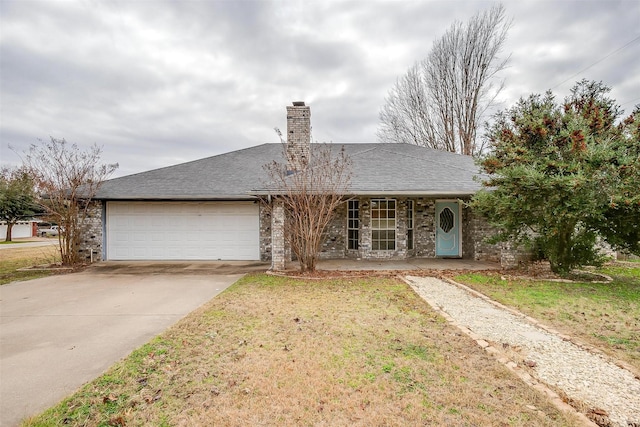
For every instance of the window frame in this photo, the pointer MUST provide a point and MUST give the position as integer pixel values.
(410, 225)
(353, 225)
(383, 235)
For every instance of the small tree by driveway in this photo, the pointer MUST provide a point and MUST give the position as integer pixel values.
(310, 196)
(67, 178)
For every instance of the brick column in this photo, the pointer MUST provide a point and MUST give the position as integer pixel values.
(278, 253)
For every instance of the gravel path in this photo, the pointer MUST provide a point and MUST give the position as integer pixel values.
(583, 376)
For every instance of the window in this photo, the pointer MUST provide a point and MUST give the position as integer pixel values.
(353, 224)
(410, 225)
(383, 225)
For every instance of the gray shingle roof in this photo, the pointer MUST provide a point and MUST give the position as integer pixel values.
(378, 169)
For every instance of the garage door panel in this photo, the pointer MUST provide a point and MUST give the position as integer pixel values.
(182, 231)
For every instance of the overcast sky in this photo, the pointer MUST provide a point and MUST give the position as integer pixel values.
(157, 83)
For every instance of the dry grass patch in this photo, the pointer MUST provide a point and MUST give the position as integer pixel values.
(17, 257)
(285, 352)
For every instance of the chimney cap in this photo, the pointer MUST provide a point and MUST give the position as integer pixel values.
(298, 103)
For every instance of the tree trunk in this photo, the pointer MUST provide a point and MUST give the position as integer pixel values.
(561, 260)
(9, 227)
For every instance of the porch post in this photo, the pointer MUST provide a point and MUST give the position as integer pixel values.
(278, 254)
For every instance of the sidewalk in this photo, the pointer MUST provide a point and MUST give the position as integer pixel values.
(30, 242)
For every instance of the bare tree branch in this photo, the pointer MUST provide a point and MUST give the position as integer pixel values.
(310, 197)
(440, 101)
(67, 179)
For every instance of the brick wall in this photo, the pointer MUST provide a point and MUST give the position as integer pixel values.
(476, 231)
(265, 233)
(334, 244)
(91, 239)
(425, 228)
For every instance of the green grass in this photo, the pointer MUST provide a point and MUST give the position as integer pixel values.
(605, 315)
(15, 258)
(281, 352)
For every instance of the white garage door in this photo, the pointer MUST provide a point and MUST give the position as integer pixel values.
(182, 231)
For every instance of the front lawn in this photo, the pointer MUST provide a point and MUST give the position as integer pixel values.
(604, 315)
(283, 352)
(15, 258)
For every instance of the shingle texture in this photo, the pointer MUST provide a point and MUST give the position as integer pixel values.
(378, 169)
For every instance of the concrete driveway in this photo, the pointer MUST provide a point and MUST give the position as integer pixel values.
(59, 332)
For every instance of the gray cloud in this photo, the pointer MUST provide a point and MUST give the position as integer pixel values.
(161, 82)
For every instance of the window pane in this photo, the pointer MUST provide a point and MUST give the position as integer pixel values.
(391, 223)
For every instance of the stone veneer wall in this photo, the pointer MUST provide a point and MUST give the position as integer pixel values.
(278, 247)
(514, 256)
(334, 244)
(425, 228)
(474, 232)
(91, 239)
(265, 233)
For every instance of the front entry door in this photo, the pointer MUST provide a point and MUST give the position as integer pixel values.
(448, 229)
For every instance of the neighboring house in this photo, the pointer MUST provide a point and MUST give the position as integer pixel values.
(21, 229)
(407, 201)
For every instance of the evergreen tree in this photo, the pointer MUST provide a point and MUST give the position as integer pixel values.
(560, 175)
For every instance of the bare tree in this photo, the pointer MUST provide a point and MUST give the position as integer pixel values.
(310, 196)
(67, 179)
(440, 101)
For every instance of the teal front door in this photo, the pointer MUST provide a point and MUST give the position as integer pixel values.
(448, 229)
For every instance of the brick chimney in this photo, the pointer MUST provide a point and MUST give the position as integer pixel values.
(298, 135)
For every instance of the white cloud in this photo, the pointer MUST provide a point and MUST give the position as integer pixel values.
(160, 82)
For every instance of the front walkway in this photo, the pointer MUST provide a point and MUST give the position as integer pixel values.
(606, 389)
(404, 264)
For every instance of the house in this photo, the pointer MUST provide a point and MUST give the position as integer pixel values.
(405, 201)
(21, 229)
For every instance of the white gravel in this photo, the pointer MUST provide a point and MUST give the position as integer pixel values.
(583, 376)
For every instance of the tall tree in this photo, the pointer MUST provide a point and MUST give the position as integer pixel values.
(560, 175)
(16, 197)
(67, 178)
(310, 195)
(440, 101)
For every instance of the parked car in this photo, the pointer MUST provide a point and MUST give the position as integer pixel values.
(47, 232)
